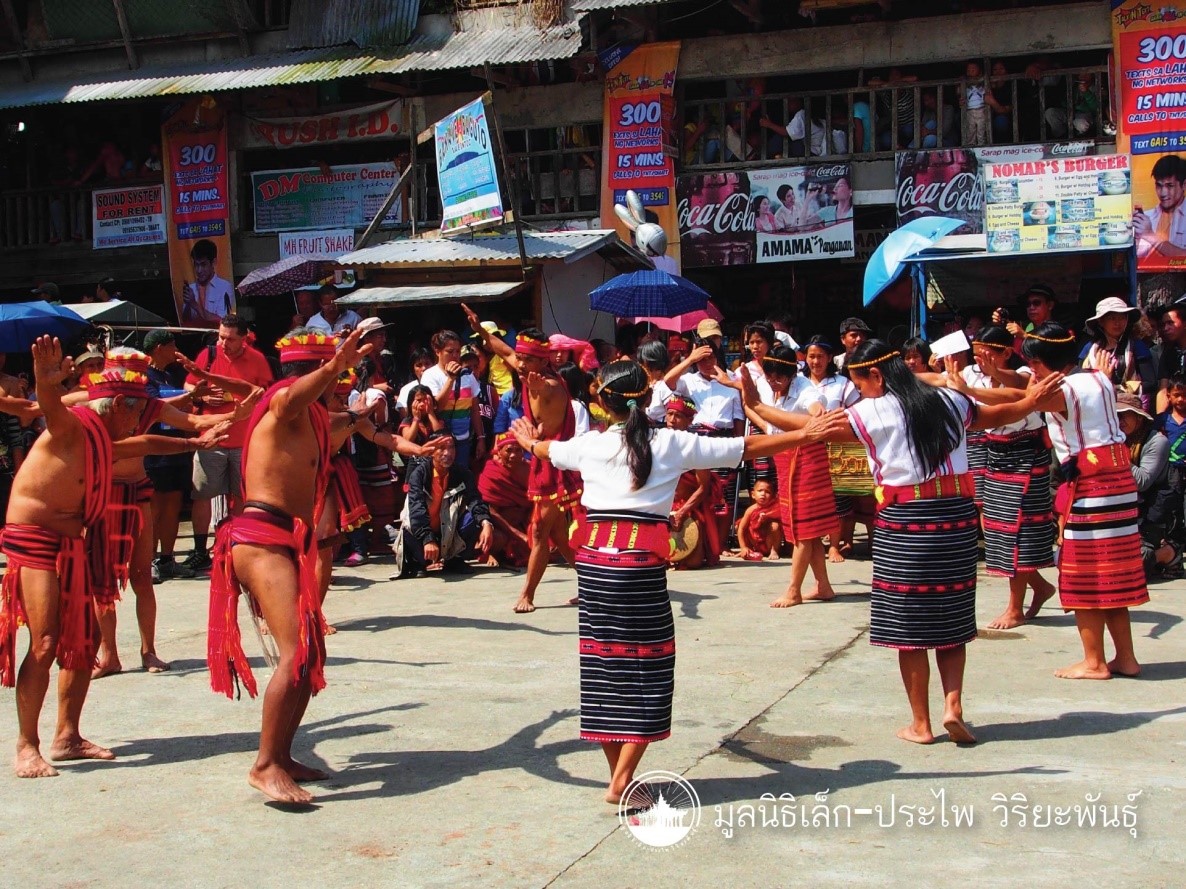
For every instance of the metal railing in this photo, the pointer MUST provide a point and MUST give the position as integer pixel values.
(41, 216)
(905, 115)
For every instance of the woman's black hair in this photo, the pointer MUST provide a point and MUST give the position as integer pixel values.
(441, 337)
(653, 356)
(413, 392)
(1101, 339)
(995, 335)
(821, 342)
(517, 388)
(624, 390)
(1053, 345)
(781, 360)
(576, 380)
(934, 427)
(919, 345)
(764, 329)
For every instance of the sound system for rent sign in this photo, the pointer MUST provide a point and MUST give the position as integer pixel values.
(128, 217)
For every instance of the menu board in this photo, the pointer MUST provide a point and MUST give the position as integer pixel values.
(1082, 203)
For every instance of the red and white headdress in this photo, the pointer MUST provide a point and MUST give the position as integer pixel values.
(116, 381)
(307, 347)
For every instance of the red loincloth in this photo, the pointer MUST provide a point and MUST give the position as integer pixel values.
(30, 546)
(500, 489)
(224, 649)
(352, 507)
(546, 483)
(120, 526)
(805, 493)
(703, 513)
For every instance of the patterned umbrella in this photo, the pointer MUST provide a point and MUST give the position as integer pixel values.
(648, 293)
(287, 275)
(687, 320)
(22, 323)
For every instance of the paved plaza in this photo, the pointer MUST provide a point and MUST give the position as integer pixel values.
(450, 724)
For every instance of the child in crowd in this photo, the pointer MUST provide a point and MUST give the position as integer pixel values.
(760, 530)
(422, 419)
(1172, 421)
(972, 98)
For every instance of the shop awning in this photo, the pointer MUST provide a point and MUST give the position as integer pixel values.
(118, 313)
(428, 295)
(425, 52)
(498, 250)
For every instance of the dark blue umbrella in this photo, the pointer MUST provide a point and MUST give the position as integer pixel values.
(22, 323)
(655, 293)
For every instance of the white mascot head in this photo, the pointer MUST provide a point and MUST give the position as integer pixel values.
(648, 236)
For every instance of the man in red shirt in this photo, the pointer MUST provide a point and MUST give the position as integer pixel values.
(219, 470)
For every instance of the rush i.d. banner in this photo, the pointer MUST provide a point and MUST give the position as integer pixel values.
(1149, 42)
(194, 151)
(639, 140)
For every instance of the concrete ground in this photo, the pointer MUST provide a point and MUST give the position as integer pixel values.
(450, 724)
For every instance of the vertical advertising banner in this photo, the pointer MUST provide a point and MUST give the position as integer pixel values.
(194, 151)
(1149, 42)
(466, 173)
(637, 126)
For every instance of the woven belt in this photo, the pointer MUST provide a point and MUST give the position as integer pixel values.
(941, 486)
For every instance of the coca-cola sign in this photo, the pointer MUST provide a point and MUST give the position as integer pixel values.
(941, 183)
(773, 215)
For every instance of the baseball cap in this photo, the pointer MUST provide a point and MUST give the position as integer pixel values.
(47, 289)
(157, 338)
(854, 324)
(491, 328)
(468, 351)
(707, 328)
(1041, 290)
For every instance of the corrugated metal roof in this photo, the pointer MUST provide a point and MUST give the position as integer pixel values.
(365, 23)
(502, 249)
(459, 50)
(591, 5)
(428, 294)
(84, 21)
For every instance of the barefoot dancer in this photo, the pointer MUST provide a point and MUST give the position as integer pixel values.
(61, 491)
(804, 481)
(270, 549)
(128, 524)
(1100, 575)
(554, 492)
(924, 546)
(627, 634)
(1017, 512)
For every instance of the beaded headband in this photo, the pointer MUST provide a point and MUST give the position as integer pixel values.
(532, 348)
(346, 383)
(779, 361)
(1069, 338)
(137, 362)
(886, 357)
(307, 347)
(996, 346)
(116, 381)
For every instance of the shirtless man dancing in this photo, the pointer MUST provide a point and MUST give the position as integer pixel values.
(270, 549)
(61, 489)
(547, 404)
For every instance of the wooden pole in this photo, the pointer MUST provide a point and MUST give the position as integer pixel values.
(387, 202)
(512, 181)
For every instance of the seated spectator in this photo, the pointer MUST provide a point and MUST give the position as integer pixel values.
(444, 519)
(1114, 351)
(759, 530)
(422, 360)
(503, 487)
(422, 420)
(1172, 422)
(1149, 448)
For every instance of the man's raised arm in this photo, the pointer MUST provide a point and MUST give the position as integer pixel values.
(51, 369)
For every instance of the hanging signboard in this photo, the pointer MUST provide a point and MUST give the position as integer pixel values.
(945, 182)
(1059, 204)
(128, 217)
(466, 172)
(348, 196)
(782, 214)
(384, 120)
(1149, 43)
(194, 155)
(327, 242)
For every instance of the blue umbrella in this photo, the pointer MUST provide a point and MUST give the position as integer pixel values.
(889, 259)
(22, 323)
(647, 293)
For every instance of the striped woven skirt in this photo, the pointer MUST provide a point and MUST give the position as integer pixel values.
(805, 493)
(1099, 563)
(1018, 509)
(627, 646)
(978, 461)
(924, 574)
